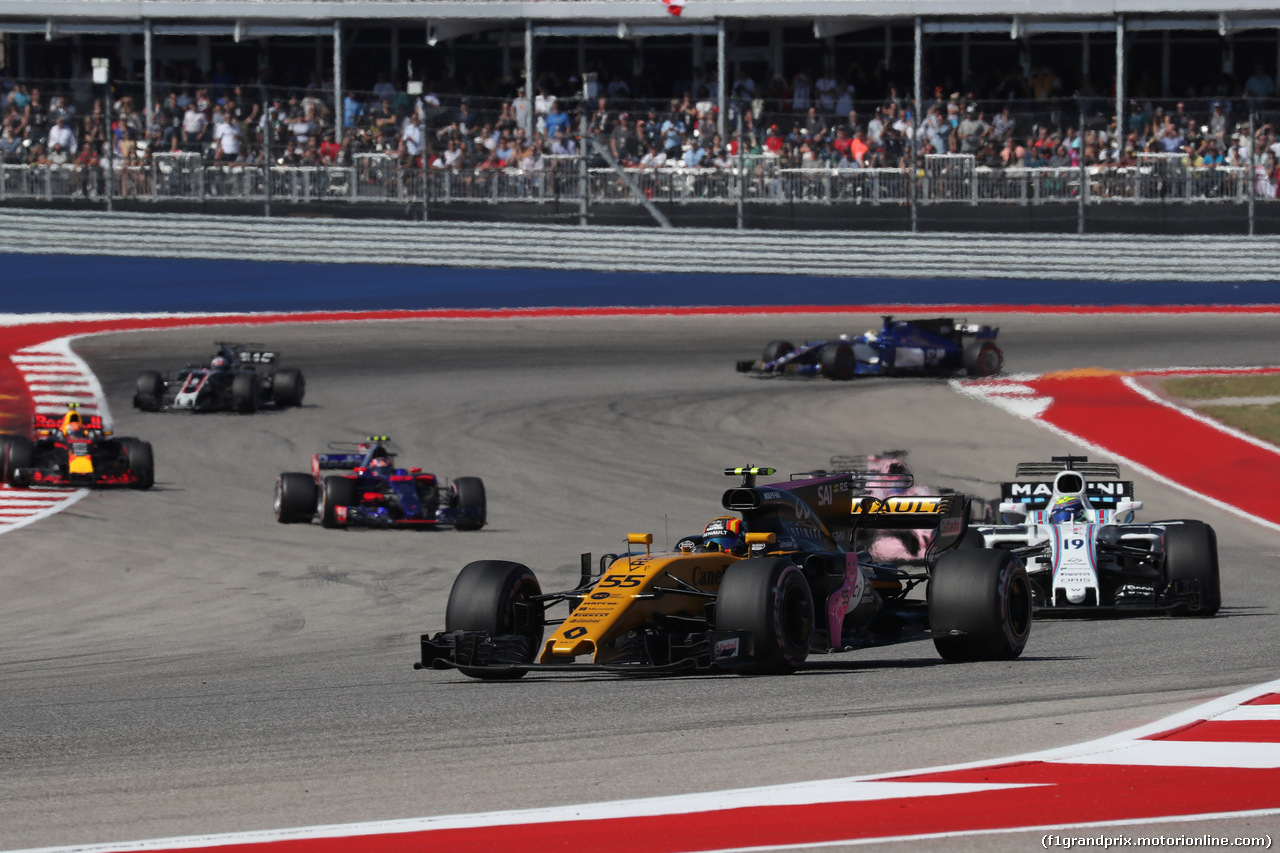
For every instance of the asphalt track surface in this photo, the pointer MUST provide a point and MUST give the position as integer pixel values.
(175, 662)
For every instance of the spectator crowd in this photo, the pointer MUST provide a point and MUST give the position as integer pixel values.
(796, 123)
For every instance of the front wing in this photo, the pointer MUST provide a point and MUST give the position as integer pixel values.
(1131, 596)
(366, 516)
(55, 477)
(650, 652)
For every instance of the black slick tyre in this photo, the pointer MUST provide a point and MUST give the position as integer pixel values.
(295, 498)
(336, 492)
(18, 452)
(245, 388)
(141, 463)
(148, 391)
(469, 498)
(982, 358)
(770, 599)
(775, 350)
(979, 605)
(494, 596)
(1191, 554)
(288, 387)
(838, 361)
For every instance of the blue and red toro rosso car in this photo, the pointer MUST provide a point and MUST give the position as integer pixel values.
(940, 346)
(375, 493)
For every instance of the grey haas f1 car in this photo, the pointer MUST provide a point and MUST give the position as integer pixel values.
(1071, 522)
(375, 493)
(940, 346)
(755, 594)
(240, 377)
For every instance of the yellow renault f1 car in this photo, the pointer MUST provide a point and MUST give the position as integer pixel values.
(756, 594)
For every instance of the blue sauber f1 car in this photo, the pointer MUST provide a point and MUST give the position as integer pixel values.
(935, 347)
(375, 493)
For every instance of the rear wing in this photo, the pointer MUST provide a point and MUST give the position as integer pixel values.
(947, 514)
(50, 422)
(336, 461)
(1058, 464)
(1101, 481)
(1036, 495)
(859, 477)
(252, 356)
(349, 455)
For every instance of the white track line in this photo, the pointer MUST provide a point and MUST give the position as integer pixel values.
(861, 788)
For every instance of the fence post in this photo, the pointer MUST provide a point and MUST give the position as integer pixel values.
(1083, 192)
(742, 163)
(1253, 169)
(582, 178)
(111, 173)
(266, 155)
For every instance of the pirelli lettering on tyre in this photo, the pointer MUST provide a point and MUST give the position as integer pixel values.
(903, 504)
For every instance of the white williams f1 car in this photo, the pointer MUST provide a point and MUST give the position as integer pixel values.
(1071, 522)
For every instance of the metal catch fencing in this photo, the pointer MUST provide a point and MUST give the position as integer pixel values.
(380, 178)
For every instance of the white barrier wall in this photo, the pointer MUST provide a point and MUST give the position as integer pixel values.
(509, 246)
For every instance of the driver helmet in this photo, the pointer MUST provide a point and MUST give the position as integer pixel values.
(220, 362)
(893, 465)
(725, 534)
(380, 462)
(1067, 508)
(75, 429)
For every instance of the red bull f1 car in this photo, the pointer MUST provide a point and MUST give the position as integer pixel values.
(240, 377)
(940, 346)
(75, 450)
(757, 592)
(1071, 522)
(375, 493)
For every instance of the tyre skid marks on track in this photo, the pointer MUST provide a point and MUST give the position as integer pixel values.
(1159, 773)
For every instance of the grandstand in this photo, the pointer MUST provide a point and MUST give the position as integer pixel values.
(588, 108)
